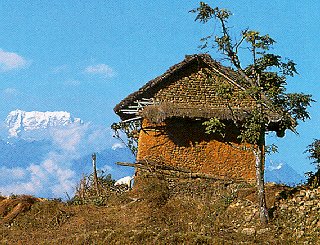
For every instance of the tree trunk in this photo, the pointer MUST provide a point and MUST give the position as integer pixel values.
(259, 153)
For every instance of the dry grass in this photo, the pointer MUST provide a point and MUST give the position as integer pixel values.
(12, 206)
(155, 212)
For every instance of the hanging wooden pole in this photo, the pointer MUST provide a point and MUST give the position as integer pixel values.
(95, 175)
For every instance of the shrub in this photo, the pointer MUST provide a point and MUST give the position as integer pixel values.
(86, 192)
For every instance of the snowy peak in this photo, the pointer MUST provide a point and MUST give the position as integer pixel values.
(282, 173)
(274, 166)
(18, 121)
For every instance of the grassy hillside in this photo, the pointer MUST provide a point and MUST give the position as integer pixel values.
(159, 211)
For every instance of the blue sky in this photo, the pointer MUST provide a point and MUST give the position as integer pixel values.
(85, 56)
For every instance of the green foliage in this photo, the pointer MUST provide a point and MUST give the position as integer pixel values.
(263, 79)
(252, 128)
(224, 91)
(256, 40)
(205, 12)
(314, 152)
(313, 178)
(104, 178)
(296, 105)
(131, 131)
(215, 126)
(271, 149)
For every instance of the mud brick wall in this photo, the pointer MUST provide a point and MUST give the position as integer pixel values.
(184, 143)
(200, 86)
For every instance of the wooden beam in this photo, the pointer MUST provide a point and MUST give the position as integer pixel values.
(136, 106)
(132, 119)
(128, 111)
(127, 164)
(186, 173)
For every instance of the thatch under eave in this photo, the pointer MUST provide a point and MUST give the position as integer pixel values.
(160, 112)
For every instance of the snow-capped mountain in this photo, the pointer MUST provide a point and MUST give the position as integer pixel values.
(46, 153)
(18, 121)
(282, 173)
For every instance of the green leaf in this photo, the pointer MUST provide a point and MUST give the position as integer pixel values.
(215, 126)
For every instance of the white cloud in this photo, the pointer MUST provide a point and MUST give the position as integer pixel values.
(60, 69)
(81, 139)
(50, 179)
(100, 69)
(14, 173)
(69, 138)
(37, 171)
(11, 61)
(117, 146)
(10, 91)
(56, 174)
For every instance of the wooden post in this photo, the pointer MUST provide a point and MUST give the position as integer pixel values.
(82, 188)
(95, 175)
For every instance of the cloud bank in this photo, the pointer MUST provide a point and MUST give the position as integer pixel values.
(56, 174)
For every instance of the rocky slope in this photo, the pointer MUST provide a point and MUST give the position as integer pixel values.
(301, 209)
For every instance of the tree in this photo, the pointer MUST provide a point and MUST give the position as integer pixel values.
(314, 153)
(314, 150)
(131, 131)
(263, 78)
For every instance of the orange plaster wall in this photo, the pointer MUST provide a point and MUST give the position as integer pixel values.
(183, 143)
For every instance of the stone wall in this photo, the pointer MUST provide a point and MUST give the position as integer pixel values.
(301, 210)
(184, 143)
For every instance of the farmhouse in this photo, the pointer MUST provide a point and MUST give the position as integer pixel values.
(172, 109)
